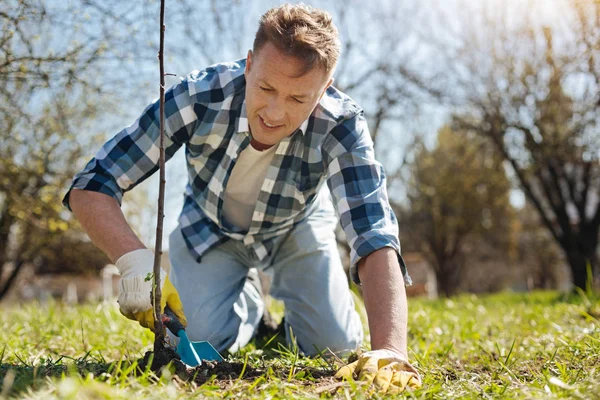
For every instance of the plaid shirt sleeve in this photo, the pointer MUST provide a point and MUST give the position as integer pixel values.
(132, 155)
(358, 186)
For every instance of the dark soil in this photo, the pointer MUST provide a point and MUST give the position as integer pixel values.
(222, 373)
(222, 370)
(162, 358)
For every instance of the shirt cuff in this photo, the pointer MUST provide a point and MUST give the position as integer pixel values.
(91, 183)
(403, 268)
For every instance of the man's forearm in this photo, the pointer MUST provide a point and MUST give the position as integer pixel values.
(385, 300)
(102, 219)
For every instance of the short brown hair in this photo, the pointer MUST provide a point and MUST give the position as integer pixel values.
(301, 31)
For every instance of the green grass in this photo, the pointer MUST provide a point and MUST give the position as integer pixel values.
(497, 346)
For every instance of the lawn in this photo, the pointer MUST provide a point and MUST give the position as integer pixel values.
(539, 345)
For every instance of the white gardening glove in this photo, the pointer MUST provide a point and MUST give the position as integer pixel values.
(135, 288)
(389, 372)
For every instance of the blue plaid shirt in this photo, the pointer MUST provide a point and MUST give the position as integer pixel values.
(206, 113)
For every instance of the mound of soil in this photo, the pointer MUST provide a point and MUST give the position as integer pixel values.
(222, 370)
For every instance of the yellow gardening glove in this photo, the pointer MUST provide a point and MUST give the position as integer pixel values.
(170, 297)
(386, 370)
(135, 289)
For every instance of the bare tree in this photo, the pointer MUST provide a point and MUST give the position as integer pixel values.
(527, 79)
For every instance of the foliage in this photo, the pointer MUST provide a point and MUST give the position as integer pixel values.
(50, 100)
(39, 161)
(501, 346)
(458, 194)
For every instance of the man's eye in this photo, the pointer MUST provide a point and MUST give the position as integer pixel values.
(298, 101)
(266, 89)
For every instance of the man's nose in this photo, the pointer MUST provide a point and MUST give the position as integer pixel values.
(275, 110)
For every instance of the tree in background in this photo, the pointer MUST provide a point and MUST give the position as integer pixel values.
(49, 100)
(526, 77)
(458, 193)
(36, 166)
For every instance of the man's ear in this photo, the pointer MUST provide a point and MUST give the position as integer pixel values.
(325, 88)
(248, 63)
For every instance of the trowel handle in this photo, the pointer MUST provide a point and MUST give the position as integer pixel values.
(171, 321)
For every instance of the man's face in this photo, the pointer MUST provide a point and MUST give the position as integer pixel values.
(278, 96)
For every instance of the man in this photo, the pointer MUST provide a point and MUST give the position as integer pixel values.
(269, 144)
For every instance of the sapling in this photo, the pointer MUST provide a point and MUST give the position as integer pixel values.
(159, 333)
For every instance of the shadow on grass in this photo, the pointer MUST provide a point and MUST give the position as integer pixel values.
(18, 378)
(270, 342)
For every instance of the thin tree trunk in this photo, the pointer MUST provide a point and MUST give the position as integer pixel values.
(11, 278)
(446, 277)
(159, 334)
(580, 256)
(577, 263)
(20, 259)
(6, 222)
(444, 284)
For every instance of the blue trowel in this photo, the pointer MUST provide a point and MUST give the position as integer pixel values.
(191, 353)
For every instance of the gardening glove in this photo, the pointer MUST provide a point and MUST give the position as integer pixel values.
(135, 289)
(386, 370)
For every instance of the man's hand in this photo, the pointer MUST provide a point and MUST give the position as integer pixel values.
(385, 369)
(135, 289)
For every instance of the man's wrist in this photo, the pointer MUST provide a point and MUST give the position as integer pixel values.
(392, 352)
(136, 262)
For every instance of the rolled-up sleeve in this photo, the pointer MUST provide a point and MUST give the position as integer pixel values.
(358, 186)
(132, 155)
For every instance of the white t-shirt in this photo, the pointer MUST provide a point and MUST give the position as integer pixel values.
(244, 185)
